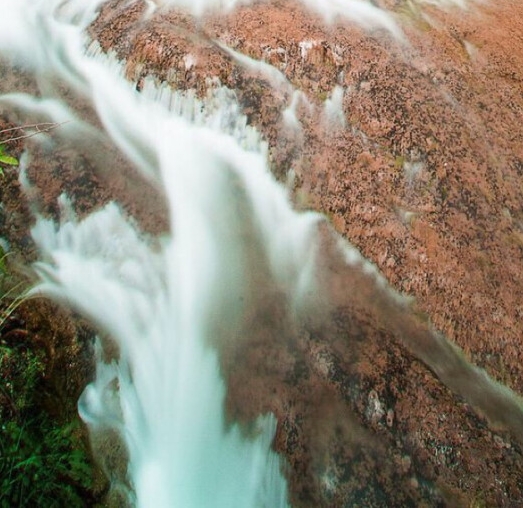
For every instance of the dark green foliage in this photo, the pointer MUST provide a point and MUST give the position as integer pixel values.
(43, 462)
(42, 465)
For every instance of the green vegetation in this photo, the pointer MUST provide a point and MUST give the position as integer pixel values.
(399, 162)
(42, 458)
(12, 292)
(6, 158)
(36, 128)
(41, 463)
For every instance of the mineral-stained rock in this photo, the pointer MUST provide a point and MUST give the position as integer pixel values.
(423, 172)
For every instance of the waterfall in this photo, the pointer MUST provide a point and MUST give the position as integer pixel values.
(166, 304)
(170, 305)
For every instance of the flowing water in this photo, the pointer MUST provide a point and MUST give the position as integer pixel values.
(167, 302)
(172, 303)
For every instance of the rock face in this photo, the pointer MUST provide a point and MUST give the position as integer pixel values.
(413, 149)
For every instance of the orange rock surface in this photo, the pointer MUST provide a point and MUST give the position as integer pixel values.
(424, 175)
(419, 164)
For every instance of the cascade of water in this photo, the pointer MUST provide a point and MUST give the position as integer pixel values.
(170, 304)
(167, 307)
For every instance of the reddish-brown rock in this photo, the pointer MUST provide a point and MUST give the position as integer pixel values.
(425, 178)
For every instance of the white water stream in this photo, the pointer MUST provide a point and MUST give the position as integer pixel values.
(169, 303)
(166, 304)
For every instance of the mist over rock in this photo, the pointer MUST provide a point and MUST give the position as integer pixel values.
(400, 121)
(412, 146)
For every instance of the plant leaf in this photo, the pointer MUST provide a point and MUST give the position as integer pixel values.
(7, 159)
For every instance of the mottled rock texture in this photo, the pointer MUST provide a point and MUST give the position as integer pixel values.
(423, 172)
(413, 150)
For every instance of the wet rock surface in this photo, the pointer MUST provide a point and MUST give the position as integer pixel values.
(423, 173)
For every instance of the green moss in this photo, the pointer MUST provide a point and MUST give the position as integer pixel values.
(399, 162)
(478, 502)
(323, 95)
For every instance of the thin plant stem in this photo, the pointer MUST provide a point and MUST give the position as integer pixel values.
(49, 127)
(28, 126)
